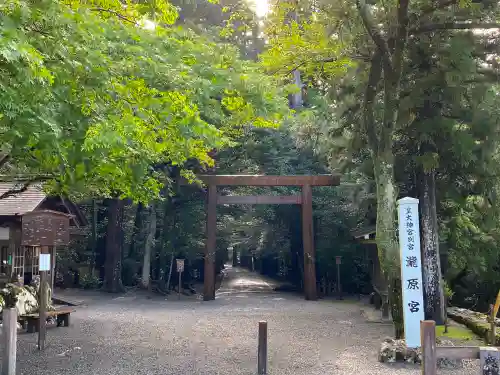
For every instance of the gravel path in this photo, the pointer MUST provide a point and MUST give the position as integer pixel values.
(134, 335)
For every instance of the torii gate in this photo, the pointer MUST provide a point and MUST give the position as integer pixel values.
(305, 199)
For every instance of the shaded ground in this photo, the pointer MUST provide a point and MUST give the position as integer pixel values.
(240, 280)
(134, 334)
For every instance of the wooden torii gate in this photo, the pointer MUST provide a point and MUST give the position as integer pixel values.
(305, 199)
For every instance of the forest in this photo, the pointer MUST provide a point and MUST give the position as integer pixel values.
(114, 103)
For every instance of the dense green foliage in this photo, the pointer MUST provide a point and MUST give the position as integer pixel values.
(111, 105)
(100, 110)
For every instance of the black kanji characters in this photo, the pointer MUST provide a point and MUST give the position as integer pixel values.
(414, 306)
(411, 261)
(412, 284)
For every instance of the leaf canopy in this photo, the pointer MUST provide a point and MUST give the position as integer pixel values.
(90, 100)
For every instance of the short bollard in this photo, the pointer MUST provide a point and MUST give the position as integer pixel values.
(428, 344)
(262, 351)
(9, 341)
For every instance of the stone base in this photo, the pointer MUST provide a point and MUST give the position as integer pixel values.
(393, 350)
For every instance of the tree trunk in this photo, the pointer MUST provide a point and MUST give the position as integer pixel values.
(157, 262)
(100, 253)
(389, 55)
(296, 99)
(93, 242)
(431, 263)
(150, 239)
(235, 257)
(170, 270)
(137, 234)
(387, 244)
(114, 247)
(161, 249)
(166, 240)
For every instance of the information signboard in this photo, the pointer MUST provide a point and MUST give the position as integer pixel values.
(180, 265)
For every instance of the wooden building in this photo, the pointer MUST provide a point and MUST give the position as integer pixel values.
(366, 236)
(29, 221)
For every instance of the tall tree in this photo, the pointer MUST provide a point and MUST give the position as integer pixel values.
(94, 121)
(114, 247)
(374, 38)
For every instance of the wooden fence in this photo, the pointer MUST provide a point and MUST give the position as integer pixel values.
(488, 355)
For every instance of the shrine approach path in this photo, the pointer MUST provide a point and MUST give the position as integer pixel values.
(132, 334)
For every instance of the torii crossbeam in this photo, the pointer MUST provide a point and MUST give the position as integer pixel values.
(306, 183)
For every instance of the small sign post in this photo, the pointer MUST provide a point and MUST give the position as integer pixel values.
(338, 262)
(497, 305)
(44, 267)
(411, 270)
(180, 270)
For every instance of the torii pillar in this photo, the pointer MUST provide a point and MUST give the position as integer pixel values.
(305, 199)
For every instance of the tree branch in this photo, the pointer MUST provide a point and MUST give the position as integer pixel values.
(432, 8)
(360, 57)
(120, 16)
(453, 26)
(375, 33)
(313, 61)
(35, 30)
(370, 95)
(492, 74)
(401, 38)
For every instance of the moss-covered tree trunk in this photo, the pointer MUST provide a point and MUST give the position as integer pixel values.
(386, 67)
(388, 250)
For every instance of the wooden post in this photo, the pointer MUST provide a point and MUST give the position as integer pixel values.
(53, 268)
(493, 327)
(428, 340)
(210, 247)
(235, 257)
(446, 322)
(490, 360)
(9, 341)
(339, 285)
(308, 244)
(180, 284)
(385, 305)
(262, 349)
(42, 303)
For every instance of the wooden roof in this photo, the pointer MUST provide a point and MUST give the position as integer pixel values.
(21, 203)
(358, 233)
(33, 199)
